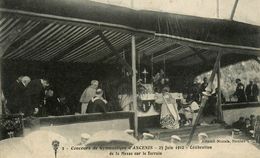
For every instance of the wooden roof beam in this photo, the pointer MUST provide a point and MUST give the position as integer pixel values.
(125, 48)
(233, 10)
(79, 43)
(15, 45)
(198, 53)
(146, 33)
(114, 51)
(166, 51)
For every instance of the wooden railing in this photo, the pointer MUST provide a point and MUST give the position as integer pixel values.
(70, 119)
(230, 106)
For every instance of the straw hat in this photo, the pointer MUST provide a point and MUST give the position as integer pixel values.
(148, 136)
(175, 138)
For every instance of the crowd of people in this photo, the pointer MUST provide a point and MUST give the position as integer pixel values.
(184, 112)
(245, 125)
(248, 94)
(34, 98)
(37, 98)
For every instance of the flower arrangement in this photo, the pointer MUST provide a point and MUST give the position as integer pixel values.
(11, 124)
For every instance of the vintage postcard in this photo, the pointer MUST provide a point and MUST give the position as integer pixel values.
(129, 78)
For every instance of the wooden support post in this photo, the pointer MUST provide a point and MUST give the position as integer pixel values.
(152, 67)
(1, 105)
(139, 65)
(205, 98)
(234, 10)
(164, 67)
(217, 8)
(219, 101)
(134, 84)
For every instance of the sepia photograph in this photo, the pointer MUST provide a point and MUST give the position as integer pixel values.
(129, 78)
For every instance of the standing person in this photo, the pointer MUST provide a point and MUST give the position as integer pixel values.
(87, 95)
(247, 127)
(195, 91)
(97, 104)
(4, 102)
(240, 91)
(212, 107)
(252, 92)
(169, 112)
(50, 103)
(252, 120)
(35, 96)
(17, 98)
(204, 84)
(157, 81)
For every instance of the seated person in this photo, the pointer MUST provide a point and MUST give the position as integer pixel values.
(252, 120)
(189, 108)
(239, 124)
(247, 127)
(97, 104)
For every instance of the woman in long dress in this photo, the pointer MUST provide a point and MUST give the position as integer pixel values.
(169, 112)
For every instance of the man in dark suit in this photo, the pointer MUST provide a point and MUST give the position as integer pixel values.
(204, 84)
(16, 100)
(194, 91)
(35, 96)
(55, 105)
(97, 104)
(252, 92)
(240, 91)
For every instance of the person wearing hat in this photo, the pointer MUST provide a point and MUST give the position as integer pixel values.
(169, 112)
(87, 95)
(175, 139)
(97, 104)
(148, 136)
(202, 137)
(240, 91)
(129, 131)
(84, 137)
